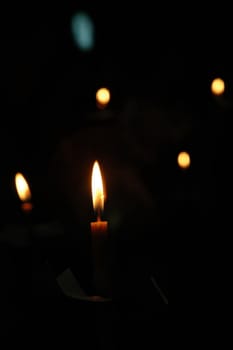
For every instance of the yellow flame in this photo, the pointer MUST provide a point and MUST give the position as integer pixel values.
(218, 86)
(103, 96)
(97, 188)
(22, 187)
(183, 160)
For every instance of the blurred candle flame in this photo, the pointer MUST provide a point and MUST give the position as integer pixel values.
(218, 86)
(97, 188)
(22, 188)
(103, 97)
(184, 160)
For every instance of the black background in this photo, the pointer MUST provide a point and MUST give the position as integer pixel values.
(159, 74)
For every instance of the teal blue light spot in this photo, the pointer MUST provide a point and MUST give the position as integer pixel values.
(82, 29)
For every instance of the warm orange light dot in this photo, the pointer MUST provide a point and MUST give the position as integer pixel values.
(103, 97)
(183, 160)
(27, 207)
(218, 86)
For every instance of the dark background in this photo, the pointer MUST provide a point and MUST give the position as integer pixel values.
(52, 131)
(48, 85)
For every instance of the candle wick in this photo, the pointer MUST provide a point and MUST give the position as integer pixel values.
(98, 215)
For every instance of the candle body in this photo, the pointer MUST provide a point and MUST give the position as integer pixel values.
(101, 258)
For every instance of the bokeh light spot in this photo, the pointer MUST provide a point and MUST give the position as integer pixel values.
(183, 160)
(103, 97)
(82, 29)
(217, 86)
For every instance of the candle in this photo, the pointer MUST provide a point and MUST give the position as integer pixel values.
(24, 193)
(100, 237)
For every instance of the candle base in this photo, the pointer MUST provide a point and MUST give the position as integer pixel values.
(94, 298)
(72, 289)
(102, 283)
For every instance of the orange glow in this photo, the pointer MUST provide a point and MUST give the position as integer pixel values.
(183, 160)
(103, 97)
(97, 188)
(27, 207)
(22, 188)
(218, 86)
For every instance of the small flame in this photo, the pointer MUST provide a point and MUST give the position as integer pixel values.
(184, 160)
(97, 188)
(22, 188)
(218, 86)
(103, 97)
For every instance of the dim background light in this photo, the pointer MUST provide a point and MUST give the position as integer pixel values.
(82, 29)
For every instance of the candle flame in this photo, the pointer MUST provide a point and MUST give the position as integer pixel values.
(22, 187)
(218, 86)
(184, 160)
(103, 97)
(97, 188)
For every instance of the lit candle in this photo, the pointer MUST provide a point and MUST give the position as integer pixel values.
(100, 237)
(24, 193)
